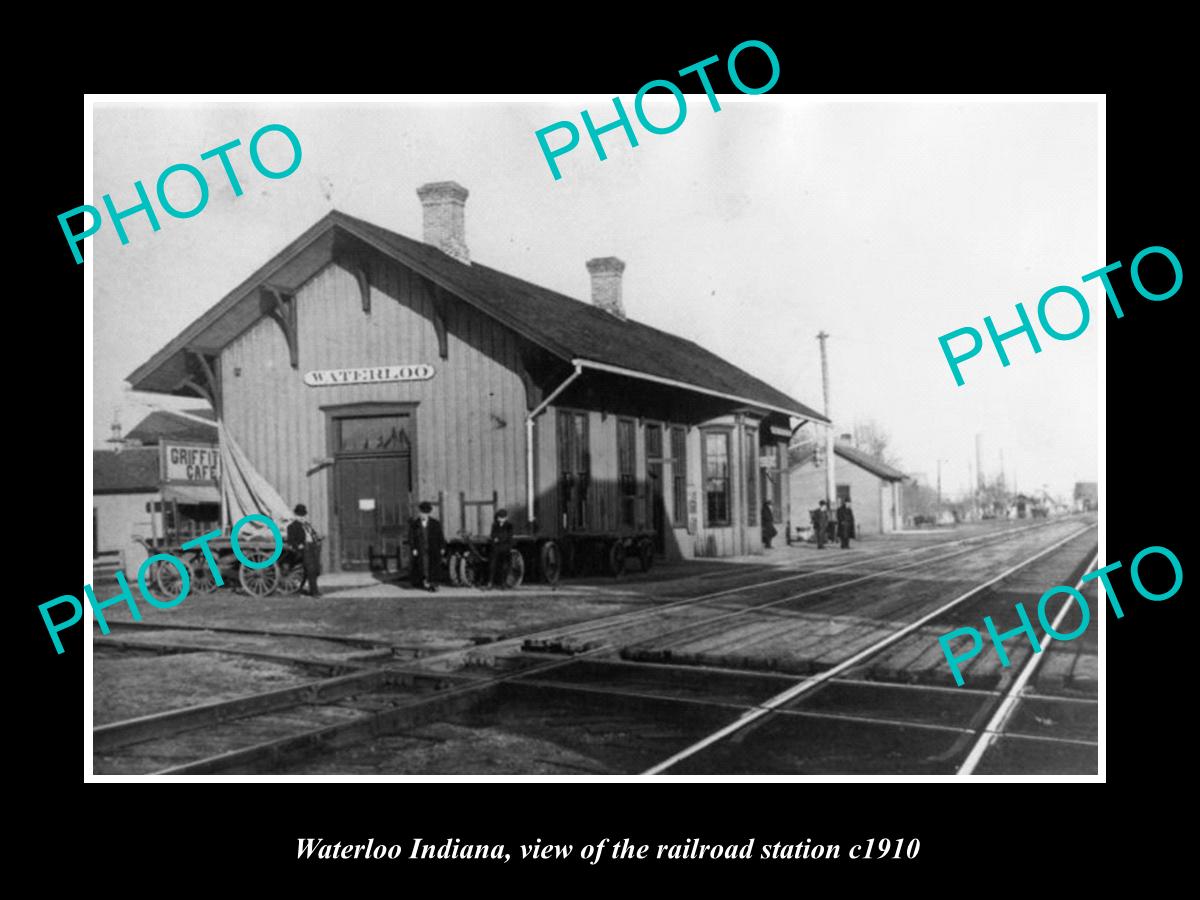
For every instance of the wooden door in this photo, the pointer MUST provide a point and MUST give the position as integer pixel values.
(372, 486)
(373, 499)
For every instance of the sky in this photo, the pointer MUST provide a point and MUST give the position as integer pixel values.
(748, 231)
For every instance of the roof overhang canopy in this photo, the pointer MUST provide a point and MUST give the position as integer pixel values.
(657, 379)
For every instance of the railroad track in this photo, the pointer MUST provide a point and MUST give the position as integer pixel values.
(787, 697)
(383, 699)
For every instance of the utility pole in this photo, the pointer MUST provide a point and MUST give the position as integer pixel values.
(972, 486)
(979, 461)
(980, 482)
(830, 488)
(939, 503)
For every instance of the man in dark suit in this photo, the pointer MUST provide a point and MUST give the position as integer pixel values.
(820, 521)
(302, 540)
(428, 546)
(502, 545)
(768, 524)
(845, 523)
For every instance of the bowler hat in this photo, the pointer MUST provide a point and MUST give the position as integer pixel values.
(501, 513)
(301, 509)
(425, 506)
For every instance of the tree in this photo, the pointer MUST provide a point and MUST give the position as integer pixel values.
(873, 439)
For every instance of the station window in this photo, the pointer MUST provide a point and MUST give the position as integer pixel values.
(627, 470)
(843, 492)
(574, 468)
(750, 465)
(716, 478)
(679, 473)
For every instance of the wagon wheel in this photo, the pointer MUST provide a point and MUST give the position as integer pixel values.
(616, 558)
(203, 581)
(551, 562)
(291, 576)
(168, 580)
(516, 569)
(258, 582)
(646, 553)
(453, 564)
(466, 570)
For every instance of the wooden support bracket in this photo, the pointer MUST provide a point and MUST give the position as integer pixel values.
(359, 269)
(533, 391)
(211, 370)
(281, 307)
(440, 302)
(199, 389)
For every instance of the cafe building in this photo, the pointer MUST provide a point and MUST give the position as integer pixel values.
(156, 482)
(362, 371)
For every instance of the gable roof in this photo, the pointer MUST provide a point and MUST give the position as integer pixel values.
(852, 455)
(133, 470)
(574, 331)
(163, 423)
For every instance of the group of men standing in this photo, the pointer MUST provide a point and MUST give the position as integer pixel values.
(840, 523)
(426, 540)
(428, 545)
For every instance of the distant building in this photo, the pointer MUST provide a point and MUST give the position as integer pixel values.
(871, 486)
(159, 478)
(1087, 497)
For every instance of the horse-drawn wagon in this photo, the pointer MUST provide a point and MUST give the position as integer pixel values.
(251, 573)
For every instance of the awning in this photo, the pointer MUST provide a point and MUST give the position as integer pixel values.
(191, 493)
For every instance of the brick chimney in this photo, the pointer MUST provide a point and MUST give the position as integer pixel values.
(444, 203)
(606, 284)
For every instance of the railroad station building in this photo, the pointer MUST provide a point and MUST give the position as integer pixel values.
(871, 486)
(362, 371)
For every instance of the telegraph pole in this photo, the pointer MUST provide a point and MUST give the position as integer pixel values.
(980, 481)
(830, 488)
(973, 487)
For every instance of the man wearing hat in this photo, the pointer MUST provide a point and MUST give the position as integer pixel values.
(820, 522)
(502, 544)
(845, 523)
(428, 546)
(302, 540)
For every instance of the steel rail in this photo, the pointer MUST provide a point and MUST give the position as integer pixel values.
(769, 706)
(157, 725)
(858, 580)
(1008, 705)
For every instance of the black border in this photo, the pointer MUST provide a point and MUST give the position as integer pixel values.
(979, 832)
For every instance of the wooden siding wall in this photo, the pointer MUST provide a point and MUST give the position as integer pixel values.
(469, 419)
(605, 507)
(118, 518)
(868, 494)
(737, 538)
